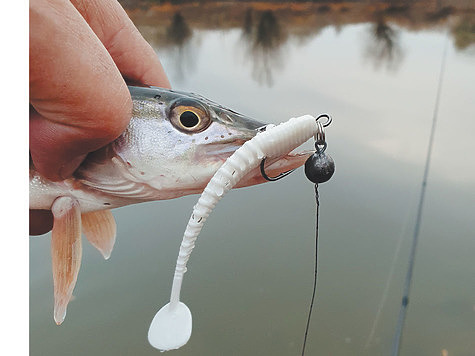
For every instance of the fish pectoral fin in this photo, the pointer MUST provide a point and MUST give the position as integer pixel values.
(66, 251)
(100, 229)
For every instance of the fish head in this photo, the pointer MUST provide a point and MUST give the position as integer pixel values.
(176, 141)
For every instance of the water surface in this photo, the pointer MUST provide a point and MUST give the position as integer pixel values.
(375, 70)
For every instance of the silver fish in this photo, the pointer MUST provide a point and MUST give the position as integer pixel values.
(173, 145)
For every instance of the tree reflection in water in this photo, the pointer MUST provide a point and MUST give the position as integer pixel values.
(247, 25)
(178, 33)
(263, 43)
(178, 42)
(383, 47)
(464, 35)
(266, 29)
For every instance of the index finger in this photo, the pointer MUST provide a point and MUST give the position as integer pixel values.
(134, 57)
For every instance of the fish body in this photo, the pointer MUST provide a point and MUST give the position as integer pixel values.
(173, 145)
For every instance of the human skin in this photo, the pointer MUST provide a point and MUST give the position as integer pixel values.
(81, 53)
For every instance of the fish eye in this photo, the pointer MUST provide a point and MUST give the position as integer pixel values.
(189, 119)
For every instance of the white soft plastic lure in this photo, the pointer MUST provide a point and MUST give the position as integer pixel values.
(171, 327)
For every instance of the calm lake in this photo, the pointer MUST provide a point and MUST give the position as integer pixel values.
(375, 68)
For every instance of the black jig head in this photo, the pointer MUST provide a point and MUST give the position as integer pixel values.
(320, 167)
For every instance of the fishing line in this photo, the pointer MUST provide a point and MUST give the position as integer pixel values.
(317, 209)
(412, 257)
(319, 168)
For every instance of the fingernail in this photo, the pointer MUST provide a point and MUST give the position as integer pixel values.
(68, 168)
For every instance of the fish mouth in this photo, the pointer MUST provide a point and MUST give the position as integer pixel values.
(274, 167)
(219, 152)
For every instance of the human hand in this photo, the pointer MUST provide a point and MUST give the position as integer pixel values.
(80, 51)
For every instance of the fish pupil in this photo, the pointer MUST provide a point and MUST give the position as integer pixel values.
(189, 119)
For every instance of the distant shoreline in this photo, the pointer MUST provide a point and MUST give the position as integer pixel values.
(303, 18)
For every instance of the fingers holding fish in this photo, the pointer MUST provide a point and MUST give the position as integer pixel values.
(78, 52)
(73, 110)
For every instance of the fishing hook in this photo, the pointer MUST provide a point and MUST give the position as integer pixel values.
(273, 179)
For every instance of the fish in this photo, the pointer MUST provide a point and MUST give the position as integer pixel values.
(173, 145)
